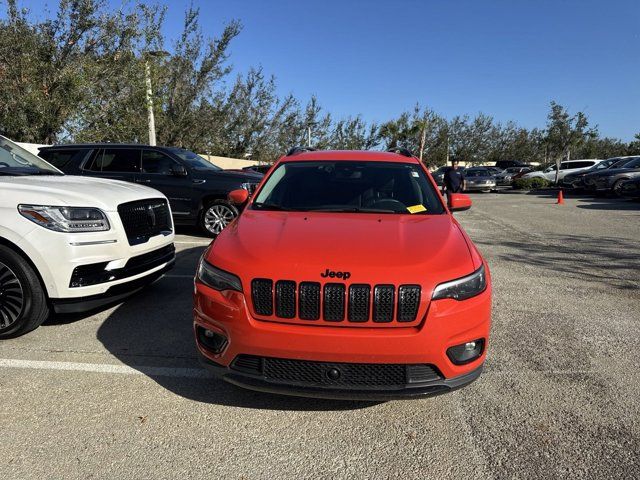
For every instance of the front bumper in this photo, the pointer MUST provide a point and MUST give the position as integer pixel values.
(480, 186)
(112, 296)
(447, 323)
(327, 391)
(59, 258)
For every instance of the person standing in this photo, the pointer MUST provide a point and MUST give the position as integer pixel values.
(453, 180)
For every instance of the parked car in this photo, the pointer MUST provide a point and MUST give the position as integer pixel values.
(506, 176)
(630, 188)
(575, 181)
(438, 175)
(72, 244)
(196, 188)
(611, 179)
(495, 170)
(502, 164)
(479, 178)
(319, 312)
(566, 167)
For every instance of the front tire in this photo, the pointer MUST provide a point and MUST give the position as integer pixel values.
(23, 303)
(216, 215)
(617, 187)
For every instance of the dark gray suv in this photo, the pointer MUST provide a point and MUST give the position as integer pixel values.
(197, 189)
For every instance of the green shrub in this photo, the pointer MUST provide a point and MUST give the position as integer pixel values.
(531, 183)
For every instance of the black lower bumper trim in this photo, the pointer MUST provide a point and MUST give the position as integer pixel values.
(112, 296)
(95, 273)
(409, 391)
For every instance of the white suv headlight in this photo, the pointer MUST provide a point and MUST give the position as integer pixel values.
(462, 288)
(66, 219)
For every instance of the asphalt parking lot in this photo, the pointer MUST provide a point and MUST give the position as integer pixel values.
(120, 394)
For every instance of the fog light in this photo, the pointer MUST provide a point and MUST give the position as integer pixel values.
(466, 352)
(213, 341)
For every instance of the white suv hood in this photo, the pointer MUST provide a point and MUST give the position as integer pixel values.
(71, 190)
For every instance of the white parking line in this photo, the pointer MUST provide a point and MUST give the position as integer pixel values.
(101, 368)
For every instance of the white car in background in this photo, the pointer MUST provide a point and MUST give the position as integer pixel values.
(73, 244)
(566, 167)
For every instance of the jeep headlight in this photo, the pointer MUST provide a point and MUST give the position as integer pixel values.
(66, 219)
(217, 279)
(462, 288)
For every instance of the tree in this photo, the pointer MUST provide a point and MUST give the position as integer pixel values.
(566, 133)
(254, 115)
(353, 134)
(43, 66)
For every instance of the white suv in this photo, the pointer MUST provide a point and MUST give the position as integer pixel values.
(72, 244)
(566, 167)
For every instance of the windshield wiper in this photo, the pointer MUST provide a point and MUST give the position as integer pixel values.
(351, 210)
(271, 206)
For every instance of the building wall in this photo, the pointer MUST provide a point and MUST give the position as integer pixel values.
(228, 163)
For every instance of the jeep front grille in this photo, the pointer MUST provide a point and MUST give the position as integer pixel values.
(334, 302)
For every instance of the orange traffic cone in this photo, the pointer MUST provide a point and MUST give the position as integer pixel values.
(560, 198)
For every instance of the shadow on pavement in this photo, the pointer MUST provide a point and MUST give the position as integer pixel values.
(192, 231)
(154, 329)
(610, 261)
(611, 204)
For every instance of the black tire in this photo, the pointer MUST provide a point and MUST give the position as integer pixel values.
(617, 187)
(23, 302)
(216, 215)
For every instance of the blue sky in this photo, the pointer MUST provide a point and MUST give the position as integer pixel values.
(508, 59)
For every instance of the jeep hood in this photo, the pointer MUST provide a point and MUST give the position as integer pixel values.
(374, 248)
(67, 190)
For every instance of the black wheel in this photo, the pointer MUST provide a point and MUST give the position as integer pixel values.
(617, 187)
(216, 215)
(23, 303)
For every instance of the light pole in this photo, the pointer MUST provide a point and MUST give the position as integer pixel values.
(149, 92)
(309, 125)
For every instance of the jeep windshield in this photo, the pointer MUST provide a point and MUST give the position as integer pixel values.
(349, 186)
(194, 160)
(16, 161)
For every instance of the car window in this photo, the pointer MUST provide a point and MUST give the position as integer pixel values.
(194, 160)
(344, 186)
(633, 163)
(585, 164)
(122, 160)
(61, 158)
(15, 160)
(477, 173)
(157, 162)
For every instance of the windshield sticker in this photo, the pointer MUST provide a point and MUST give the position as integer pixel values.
(415, 174)
(416, 209)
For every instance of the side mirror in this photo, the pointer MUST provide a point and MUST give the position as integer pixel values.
(238, 197)
(459, 202)
(179, 170)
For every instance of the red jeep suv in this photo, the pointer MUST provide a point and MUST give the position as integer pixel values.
(346, 276)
